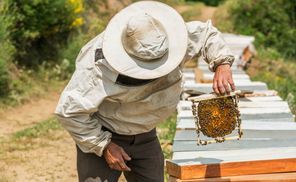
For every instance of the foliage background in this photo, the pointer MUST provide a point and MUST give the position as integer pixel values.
(273, 23)
(39, 42)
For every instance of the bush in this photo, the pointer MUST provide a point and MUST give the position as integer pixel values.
(272, 22)
(95, 22)
(209, 2)
(4, 79)
(39, 28)
(278, 74)
(6, 51)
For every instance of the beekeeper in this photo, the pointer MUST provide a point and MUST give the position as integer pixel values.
(127, 80)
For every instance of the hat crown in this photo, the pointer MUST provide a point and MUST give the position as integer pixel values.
(145, 38)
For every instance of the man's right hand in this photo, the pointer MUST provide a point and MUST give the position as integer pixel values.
(115, 157)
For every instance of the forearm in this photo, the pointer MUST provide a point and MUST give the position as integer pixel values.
(215, 51)
(207, 41)
(86, 133)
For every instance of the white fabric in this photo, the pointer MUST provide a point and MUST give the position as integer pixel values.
(92, 99)
(125, 64)
(145, 38)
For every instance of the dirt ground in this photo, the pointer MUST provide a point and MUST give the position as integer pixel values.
(47, 159)
(24, 116)
(50, 158)
(207, 13)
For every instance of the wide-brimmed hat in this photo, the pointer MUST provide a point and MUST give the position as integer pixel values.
(145, 40)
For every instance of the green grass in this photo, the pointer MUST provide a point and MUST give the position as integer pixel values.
(193, 12)
(39, 129)
(28, 84)
(29, 138)
(279, 74)
(166, 132)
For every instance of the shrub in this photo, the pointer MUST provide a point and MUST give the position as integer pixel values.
(209, 2)
(272, 22)
(278, 74)
(39, 28)
(6, 51)
(4, 78)
(95, 22)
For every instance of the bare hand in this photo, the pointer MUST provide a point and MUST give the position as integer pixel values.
(115, 157)
(222, 80)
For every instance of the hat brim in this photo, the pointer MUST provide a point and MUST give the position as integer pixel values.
(119, 59)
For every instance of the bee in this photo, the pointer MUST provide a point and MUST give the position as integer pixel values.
(216, 118)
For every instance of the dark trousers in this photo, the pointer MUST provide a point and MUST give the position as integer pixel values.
(147, 163)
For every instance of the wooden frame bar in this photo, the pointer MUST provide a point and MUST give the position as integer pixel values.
(185, 172)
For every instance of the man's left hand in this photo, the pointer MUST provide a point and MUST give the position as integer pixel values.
(222, 80)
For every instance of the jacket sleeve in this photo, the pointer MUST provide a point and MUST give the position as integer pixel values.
(80, 100)
(75, 109)
(206, 41)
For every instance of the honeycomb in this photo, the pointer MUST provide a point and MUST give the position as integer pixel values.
(216, 118)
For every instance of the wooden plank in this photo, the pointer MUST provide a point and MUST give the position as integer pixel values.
(201, 61)
(186, 105)
(244, 143)
(185, 140)
(245, 116)
(207, 87)
(231, 168)
(249, 135)
(210, 76)
(204, 66)
(261, 99)
(260, 93)
(189, 124)
(279, 104)
(187, 70)
(231, 155)
(236, 80)
(198, 76)
(189, 76)
(238, 76)
(279, 116)
(243, 110)
(203, 81)
(250, 113)
(205, 69)
(261, 116)
(233, 39)
(266, 95)
(268, 161)
(274, 177)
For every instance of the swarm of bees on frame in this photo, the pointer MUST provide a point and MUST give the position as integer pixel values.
(216, 118)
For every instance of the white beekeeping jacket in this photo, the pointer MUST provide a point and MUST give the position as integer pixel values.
(93, 98)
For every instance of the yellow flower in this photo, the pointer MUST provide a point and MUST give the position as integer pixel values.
(77, 22)
(78, 5)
